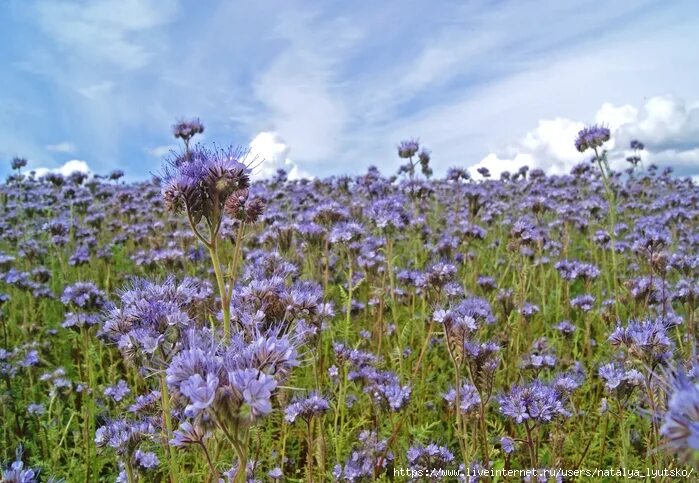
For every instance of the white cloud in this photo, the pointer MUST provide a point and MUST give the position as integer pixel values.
(301, 88)
(665, 124)
(268, 153)
(63, 147)
(103, 30)
(65, 170)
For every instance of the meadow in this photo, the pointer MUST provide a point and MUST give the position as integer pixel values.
(202, 327)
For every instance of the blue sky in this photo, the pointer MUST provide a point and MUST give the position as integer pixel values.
(330, 87)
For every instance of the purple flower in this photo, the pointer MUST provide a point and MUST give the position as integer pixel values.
(681, 420)
(571, 270)
(256, 388)
(186, 434)
(565, 327)
(36, 409)
(591, 137)
(648, 340)
(185, 130)
(306, 408)
(146, 459)
(408, 148)
(422, 459)
(201, 183)
(84, 295)
(507, 444)
(118, 391)
(80, 320)
(18, 163)
(469, 398)
(368, 453)
(583, 302)
(16, 473)
(619, 380)
(535, 402)
(200, 391)
(528, 310)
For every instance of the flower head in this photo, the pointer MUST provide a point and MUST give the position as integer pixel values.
(591, 137)
(201, 182)
(185, 130)
(408, 148)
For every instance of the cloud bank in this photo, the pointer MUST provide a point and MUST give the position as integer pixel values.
(667, 125)
(69, 167)
(269, 153)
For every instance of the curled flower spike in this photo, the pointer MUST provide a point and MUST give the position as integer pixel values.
(185, 130)
(591, 137)
(408, 148)
(201, 182)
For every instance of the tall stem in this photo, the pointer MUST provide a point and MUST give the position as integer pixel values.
(349, 290)
(87, 402)
(236, 258)
(611, 201)
(225, 304)
(165, 401)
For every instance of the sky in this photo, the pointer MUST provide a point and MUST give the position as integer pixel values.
(323, 88)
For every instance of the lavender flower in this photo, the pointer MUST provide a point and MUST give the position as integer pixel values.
(423, 459)
(185, 130)
(591, 137)
(469, 398)
(536, 402)
(84, 295)
(408, 149)
(306, 408)
(118, 391)
(681, 420)
(201, 183)
(367, 455)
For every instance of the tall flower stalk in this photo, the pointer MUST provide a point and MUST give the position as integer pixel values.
(206, 184)
(593, 137)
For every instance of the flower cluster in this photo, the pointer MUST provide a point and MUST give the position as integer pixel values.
(591, 137)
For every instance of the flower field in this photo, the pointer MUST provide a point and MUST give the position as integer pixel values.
(204, 327)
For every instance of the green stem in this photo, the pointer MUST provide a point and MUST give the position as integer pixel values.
(170, 451)
(225, 304)
(236, 258)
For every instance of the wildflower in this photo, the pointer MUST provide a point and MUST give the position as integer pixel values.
(186, 434)
(583, 302)
(408, 149)
(146, 459)
(18, 163)
(79, 320)
(243, 208)
(306, 408)
(681, 420)
(201, 184)
(619, 380)
(118, 391)
(535, 402)
(647, 340)
(507, 444)
(591, 137)
(369, 453)
(84, 295)
(565, 327)
(469, 398)
(422, 459)
(186, 130)
(36, 409)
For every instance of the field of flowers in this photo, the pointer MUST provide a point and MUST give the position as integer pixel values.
(202, 327)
